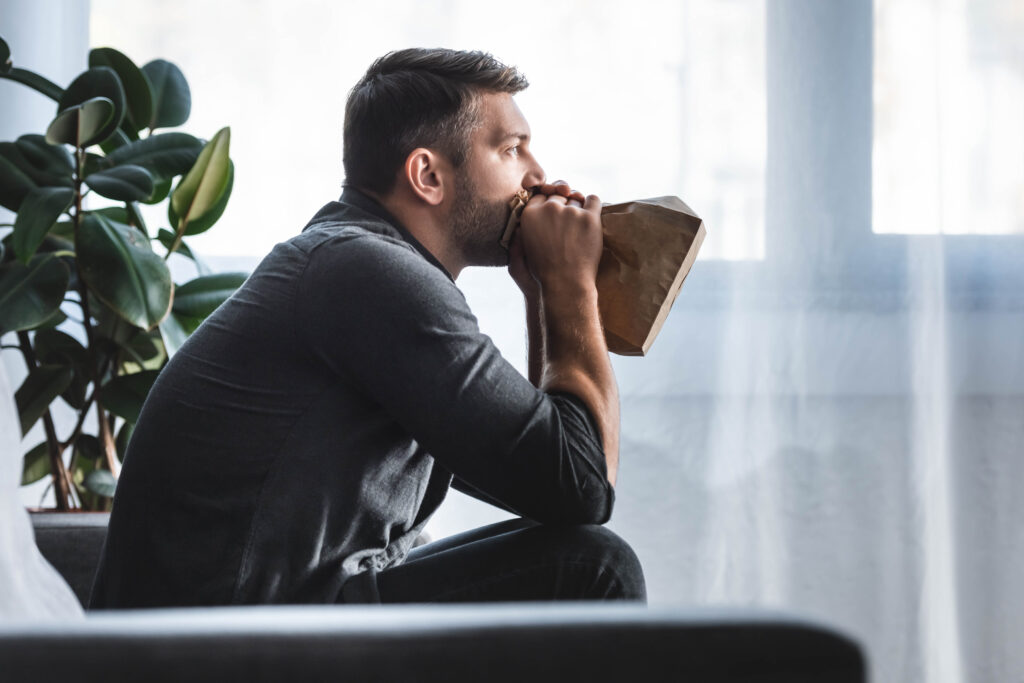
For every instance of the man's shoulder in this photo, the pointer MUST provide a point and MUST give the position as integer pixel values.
(361, 235)
(372, 258)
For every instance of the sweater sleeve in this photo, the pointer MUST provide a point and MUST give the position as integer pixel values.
(382, 318)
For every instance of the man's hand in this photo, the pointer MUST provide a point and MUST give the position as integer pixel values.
(560, 187)
(517, 267)
(560, 235)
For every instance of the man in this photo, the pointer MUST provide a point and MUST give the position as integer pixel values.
(295, 447)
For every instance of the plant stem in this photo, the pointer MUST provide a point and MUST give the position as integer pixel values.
(107, 439)
(81, 421)
(58, 472)
(83, 293)
(179, 234)
(34, 81)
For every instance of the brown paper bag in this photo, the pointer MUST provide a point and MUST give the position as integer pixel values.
(649, 247)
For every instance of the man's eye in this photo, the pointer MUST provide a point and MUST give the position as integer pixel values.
(514, 151)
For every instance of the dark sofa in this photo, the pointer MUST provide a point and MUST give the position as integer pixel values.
(525, 642)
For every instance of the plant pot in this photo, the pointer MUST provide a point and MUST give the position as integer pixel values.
(71, 542)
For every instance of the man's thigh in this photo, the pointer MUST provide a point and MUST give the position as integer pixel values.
(517, 560)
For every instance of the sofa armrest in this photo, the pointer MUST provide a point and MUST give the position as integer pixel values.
(494, 643)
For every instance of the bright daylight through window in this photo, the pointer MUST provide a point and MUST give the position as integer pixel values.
(949, 104)
(620, 105)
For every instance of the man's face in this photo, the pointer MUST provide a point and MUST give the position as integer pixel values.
(498, 165)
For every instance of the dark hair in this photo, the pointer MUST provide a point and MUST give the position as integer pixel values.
(417, 98)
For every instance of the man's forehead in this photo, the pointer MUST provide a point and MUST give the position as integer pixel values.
(500, 118)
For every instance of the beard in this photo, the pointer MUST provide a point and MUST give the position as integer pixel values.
(477, 225)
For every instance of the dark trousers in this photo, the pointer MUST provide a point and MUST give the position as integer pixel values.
(510, 561)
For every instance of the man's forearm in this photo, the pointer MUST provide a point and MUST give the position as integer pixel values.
(575, 359)
(534, 340)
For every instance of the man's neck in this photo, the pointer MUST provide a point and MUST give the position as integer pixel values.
(425, 224)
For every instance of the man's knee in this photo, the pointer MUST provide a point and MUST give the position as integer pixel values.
(619, 573)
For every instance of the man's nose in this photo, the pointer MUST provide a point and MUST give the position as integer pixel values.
(534, 176)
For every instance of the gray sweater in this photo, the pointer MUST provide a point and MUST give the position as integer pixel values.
(310, 427)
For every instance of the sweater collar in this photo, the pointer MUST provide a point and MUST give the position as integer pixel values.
(358, 199)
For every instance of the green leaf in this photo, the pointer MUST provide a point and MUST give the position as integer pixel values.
(22, 169)
(203, 224)
(172, 99)
(143, 351)
(53, 321)
(116, 140)
(100, 81)
(175, 330)
(15, 183)
(31, 294)
(36, 464)
(54, 163)
(166, 238)
(137, 91)
(57, 348)
(124, 395)
(39, 211)
(124, 436)
(128, 183)
(43, 384)
(53, 346)
(101, 482)
(165, 155)
(133, 217)
(115, 213)
(27, 164)
(5, 56)
(79, 470)
(200, 297)
(88, 447)
(120, 267)
(160, 192)
(145, 346)
(111, 328)
(83, 124)
(199, 199)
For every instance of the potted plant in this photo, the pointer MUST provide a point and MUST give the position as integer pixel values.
(86, 296)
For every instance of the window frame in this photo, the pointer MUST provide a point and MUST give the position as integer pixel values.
(819, 71)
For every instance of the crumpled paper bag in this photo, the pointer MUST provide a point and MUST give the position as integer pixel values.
(649, 247)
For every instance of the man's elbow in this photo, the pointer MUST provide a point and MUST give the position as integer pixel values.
(593, 504)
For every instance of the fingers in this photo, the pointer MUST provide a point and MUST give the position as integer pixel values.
(561, 188)
(537, 199)
(589, 203)
(571, 200)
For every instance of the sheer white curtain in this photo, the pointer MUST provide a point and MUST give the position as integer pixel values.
(836, 429)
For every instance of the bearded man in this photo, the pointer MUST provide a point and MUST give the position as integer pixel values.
(294, 448)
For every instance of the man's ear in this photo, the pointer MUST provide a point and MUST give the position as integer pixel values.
(428, 175)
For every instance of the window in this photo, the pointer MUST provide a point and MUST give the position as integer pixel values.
(664, 97)
(948, 111)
